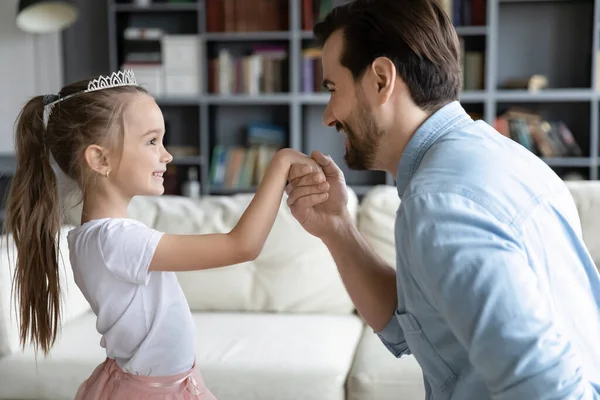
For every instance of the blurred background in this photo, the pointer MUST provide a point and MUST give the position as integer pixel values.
(237, 79)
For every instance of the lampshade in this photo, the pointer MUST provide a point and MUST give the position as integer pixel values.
(45, 16)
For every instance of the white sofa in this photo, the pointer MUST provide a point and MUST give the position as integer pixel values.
(281, 328)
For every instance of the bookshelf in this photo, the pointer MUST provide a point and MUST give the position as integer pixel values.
(507, 39)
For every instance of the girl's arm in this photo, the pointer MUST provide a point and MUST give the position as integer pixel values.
(247, 238)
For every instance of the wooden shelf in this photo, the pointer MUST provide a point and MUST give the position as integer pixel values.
(188, 160)
(475, 96)
(216, 190)
(323, 98)
(246, 36)
(269, 98)
(568, 161)
(547, 95)
(156, 7)
(178, 101)
(360, 190)
(471, 30)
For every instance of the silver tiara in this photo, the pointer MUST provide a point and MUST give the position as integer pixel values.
(120, 78)
(116, 79)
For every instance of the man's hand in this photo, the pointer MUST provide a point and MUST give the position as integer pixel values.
(318, 215)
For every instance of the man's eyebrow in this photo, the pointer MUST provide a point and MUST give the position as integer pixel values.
(327, 83)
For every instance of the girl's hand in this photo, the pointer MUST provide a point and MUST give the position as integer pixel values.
(291, 157)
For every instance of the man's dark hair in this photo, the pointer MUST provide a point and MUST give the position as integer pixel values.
(416, 35)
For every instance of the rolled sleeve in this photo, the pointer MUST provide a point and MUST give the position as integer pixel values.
(393, 339)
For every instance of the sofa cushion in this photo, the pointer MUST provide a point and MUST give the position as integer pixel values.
(277, 356)
(294, 273)
(377, 375)
(73, 358)
(376, 220)
(241, 355)
(73, 302)
(586, 195)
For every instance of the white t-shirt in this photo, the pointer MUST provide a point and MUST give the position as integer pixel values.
(143, 316)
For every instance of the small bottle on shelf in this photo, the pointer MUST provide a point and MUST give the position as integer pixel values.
(191, 187)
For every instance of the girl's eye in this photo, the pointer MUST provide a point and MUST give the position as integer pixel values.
(153, 141)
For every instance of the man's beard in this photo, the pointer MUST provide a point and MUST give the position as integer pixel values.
(360, 155)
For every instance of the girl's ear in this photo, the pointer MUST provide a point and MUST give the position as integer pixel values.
(97, 159)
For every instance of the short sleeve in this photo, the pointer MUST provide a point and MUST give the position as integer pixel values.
(127, 248)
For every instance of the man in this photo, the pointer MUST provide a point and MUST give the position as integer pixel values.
(494, 292)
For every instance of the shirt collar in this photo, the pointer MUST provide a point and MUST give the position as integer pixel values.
(439, 123)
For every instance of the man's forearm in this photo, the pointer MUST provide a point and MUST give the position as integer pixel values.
(369, 280)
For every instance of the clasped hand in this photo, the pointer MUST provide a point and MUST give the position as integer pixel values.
(318, 199)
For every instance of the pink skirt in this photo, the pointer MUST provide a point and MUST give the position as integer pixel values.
(108, 381)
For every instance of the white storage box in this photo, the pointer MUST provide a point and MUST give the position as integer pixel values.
(181, 85)
(180, 53)
(151, 77)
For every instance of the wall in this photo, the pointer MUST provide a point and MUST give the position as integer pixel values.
(30, 65)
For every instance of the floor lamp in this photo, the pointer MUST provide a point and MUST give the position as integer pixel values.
(45, 16)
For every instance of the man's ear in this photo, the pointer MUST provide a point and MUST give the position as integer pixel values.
(98, 160)
(383, 72)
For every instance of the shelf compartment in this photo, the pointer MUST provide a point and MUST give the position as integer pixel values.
(182, 140)
(572, 173)
(146, 53)
(475, 110)
(182, 129)
(248, 68)
(472, 56)
(231, 150)
(311, 70)
(550, 38)
(240, 16)
(576, 118)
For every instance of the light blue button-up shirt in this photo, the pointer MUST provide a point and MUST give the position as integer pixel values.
(498, 297)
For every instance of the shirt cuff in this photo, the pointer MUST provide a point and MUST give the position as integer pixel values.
(392, 337)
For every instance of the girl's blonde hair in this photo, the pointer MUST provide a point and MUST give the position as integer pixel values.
(33, 211)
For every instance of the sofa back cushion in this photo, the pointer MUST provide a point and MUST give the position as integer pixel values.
(377, 212)
(72, 301)
(587, 199)
(376, 219)
(294, 273)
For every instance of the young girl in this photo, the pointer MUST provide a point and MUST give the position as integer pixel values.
(107, 135)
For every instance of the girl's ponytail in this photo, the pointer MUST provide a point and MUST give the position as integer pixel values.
(33, 218)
